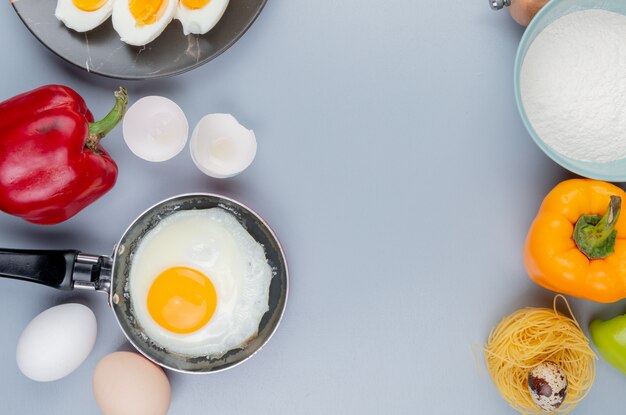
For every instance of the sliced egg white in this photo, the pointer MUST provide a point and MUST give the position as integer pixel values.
(83, 16)
(136, 33)
(197, 18)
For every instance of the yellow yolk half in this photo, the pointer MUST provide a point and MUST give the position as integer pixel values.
(182, 300)
(147, 12)
(194, 4)
(89, 5)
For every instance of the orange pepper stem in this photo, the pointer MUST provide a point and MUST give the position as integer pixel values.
(594, 235)
(98, 129)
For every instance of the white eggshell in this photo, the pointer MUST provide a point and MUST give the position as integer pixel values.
(56, 342)
(221, 147)
(155, 128)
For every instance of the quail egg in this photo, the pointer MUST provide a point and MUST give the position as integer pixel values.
(547, 383)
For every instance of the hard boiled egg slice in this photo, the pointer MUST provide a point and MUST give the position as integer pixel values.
(139, 22)
(199, 16)
(83, 15)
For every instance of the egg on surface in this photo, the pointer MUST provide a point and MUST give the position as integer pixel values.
(199, 283)
(200, 16)
(139, 22)
(126, 383)
(56, 342)
(83, 15)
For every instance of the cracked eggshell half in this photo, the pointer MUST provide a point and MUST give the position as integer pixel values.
(155, 128)
(200, 16)
(221, 147)
(83, 15)
(139, 22)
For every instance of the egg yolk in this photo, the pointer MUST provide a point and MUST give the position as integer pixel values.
(89, 5)
(182, 300)
(147, 12)
(194, 4)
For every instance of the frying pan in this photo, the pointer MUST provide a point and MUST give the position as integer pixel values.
(71, 269)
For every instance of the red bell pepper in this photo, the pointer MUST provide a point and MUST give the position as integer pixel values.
(51, 162)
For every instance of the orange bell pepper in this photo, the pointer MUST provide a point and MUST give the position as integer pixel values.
(576, 245)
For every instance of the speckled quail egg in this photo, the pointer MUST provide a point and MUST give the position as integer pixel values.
(547, 383)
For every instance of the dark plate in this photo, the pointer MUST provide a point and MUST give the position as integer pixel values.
(100, 51)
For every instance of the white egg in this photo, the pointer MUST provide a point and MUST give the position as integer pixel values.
(139, 22)
(83, 15)
(214, 243)
(200, 16)
(221, 147)
(56, 342)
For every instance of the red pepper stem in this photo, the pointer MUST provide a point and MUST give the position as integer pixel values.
(98, 129)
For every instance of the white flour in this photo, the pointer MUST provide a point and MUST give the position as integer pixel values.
(573, 85)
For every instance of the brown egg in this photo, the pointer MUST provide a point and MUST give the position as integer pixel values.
(523, 11)
(547, 383)
(127, 383)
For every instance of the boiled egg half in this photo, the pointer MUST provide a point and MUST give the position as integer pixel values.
(200, 16)
(139, 22)
(83, 15)
(199, 283)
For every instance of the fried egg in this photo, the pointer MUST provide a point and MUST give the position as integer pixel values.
(83, 15)
(139, 22)
(200, 16)
(199, 283)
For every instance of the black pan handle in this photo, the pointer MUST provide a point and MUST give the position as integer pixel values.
(51, 268)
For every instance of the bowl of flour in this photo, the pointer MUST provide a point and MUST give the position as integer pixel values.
(570, 85)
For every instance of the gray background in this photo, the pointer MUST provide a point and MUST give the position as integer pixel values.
(394, 167)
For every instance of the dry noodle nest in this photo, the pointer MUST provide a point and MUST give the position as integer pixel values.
(529, 337)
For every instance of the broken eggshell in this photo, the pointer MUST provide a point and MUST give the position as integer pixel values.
(221, 147)
(547, 383)
(155, 128)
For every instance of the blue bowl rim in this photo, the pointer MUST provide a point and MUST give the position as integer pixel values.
(557, 157)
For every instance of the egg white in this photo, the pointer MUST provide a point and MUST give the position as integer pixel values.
(200, 21)
(213, 242)
(80, 20)
(133, 34)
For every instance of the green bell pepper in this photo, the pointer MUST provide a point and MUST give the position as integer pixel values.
(610, 340)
